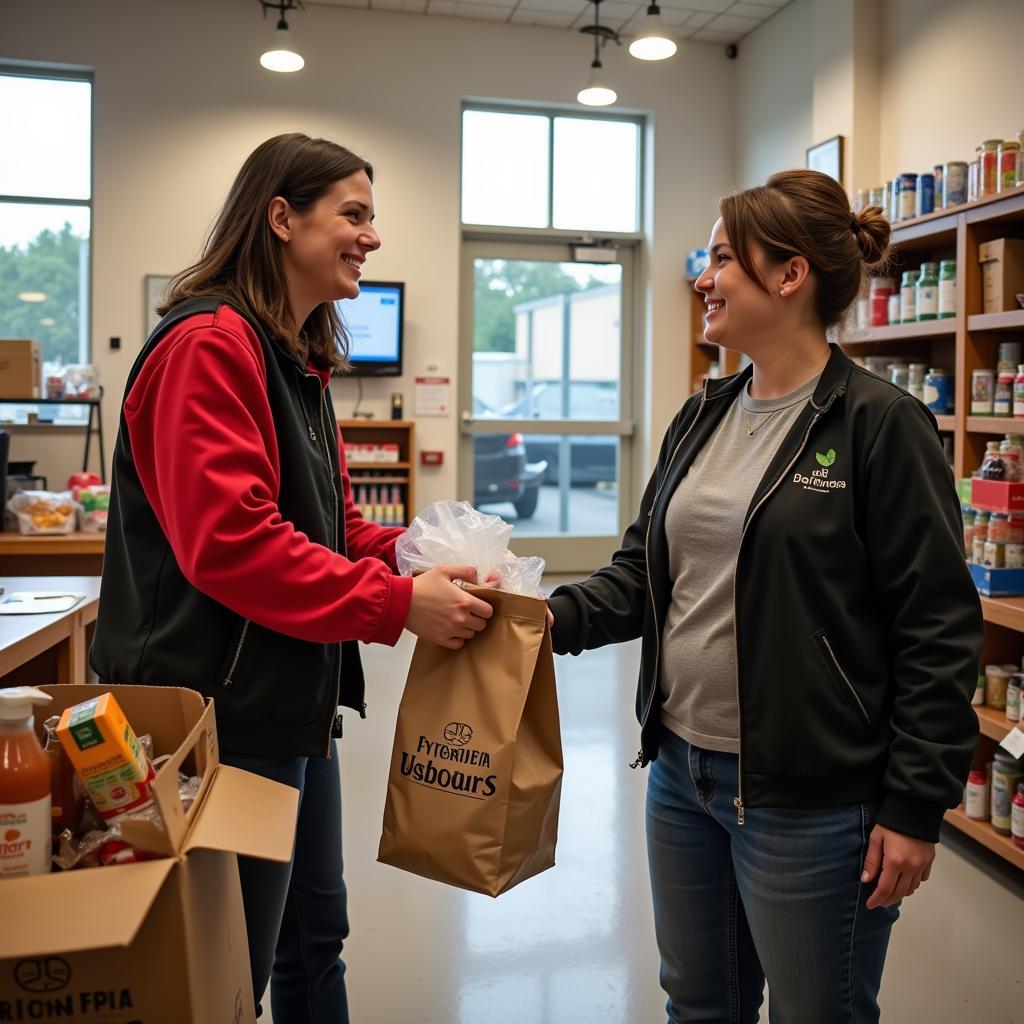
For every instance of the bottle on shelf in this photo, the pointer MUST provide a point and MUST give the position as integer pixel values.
(927, 297)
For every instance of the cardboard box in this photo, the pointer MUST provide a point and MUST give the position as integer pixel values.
(996, 582)
(997, 496)
(1002, 273)
(164, 940)
(21, 368)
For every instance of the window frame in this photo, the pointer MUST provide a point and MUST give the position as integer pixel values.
(66, 73)
(494, 232)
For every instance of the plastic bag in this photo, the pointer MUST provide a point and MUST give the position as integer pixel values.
(43, 511)
(93, 507)
(455, 533)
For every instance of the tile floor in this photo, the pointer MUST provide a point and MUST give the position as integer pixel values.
(575, 944)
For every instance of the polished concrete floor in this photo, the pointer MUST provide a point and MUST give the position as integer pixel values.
(575, 944)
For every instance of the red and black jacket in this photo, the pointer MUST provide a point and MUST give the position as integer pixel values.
(236, 562)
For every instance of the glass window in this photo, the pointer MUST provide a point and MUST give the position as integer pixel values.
(45, 214)
(596, 174)
(533, 170)
(504, 169)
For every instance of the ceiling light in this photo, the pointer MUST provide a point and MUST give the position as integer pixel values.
(281, 54)
(32, 296)
(654, 41)
(598, 91)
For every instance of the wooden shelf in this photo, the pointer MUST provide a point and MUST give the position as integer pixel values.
(1009, 321)
(1004, 611)
(995, 425)
(920, 330)
(977, 210)
(994, 723)
(984, 833)
(52, 543)
(946, 423)
(378, 479)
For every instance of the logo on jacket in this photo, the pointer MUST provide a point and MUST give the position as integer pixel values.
(819, 480)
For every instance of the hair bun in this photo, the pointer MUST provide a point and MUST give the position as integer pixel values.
(873, 233)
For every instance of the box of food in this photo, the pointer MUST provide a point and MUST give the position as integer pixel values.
(997, 495)
(162, 939)
(21, 368)
(997, 582)
(1002, 273)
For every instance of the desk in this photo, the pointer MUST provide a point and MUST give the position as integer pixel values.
(51, 554)
(48, 648)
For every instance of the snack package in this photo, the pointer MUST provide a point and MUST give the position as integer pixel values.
(93, 504)
(43, 511)
(453, 532)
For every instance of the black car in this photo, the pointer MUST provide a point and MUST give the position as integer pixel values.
(501, 472)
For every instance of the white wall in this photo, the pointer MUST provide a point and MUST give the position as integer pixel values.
(180, 100)
(774, 95)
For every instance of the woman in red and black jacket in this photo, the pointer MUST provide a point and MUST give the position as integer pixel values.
(236, 562)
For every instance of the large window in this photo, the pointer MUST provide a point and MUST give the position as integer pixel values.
(46, 211)
(527, 170)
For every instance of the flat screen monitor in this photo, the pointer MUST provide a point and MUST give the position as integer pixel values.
(374, 324)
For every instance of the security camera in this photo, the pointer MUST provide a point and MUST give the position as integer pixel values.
(732, 51)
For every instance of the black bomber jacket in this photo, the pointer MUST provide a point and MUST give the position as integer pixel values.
(858, 628)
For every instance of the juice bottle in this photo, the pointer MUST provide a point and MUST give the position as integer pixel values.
(24, 787)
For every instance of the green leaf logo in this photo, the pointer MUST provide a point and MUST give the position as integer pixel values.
(827, 459)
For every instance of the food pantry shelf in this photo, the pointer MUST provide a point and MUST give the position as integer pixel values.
(995, 425)
(922, 329)
(1009, 321)
(994, 723)
(985, 834)
(1004, 611)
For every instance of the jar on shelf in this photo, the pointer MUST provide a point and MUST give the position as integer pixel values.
(938, 174)
(1002, 401)
(916, 373)
(1009, 358)
(988, 183)
(927, 288)
(999, 527)
(954, 183)
(983, 384)
(947, 289)
(1007, 774)
(976, 802)
(894, 308)
(992, 465)
(924, 195)
(881, 289)
(938, 391)
(1017, 817)
(1013, 693)
(1009, 151)
(906, 199)
(908, 296)
(997, 679)
(973, 176)
(899, 374)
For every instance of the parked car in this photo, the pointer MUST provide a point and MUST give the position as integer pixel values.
(502, 471)
(593, 459)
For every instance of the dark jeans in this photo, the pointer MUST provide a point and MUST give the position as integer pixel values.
(778, 897)
(296, 913)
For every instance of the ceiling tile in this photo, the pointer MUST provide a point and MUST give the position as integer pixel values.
(352, 3)
(674, 18)
(549, 19)
(714, 6)
(483, 12)
(727, 23)
(699, 20)
(759, 11)
(706, 35)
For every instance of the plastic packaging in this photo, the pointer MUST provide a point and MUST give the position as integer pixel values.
(455, 533)
(43, 511)
(24, 786)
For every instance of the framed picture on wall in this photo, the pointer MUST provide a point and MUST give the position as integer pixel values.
(827, 157)
(154, 291)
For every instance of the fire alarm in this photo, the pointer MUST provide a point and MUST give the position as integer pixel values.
(431, 458)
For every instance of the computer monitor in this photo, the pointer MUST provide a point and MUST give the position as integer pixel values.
(374, 324)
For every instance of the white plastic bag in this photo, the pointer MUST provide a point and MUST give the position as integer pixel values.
(43, 511)
(455, 533)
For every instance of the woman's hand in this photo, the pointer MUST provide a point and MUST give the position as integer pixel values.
(443, 613)
(901, 863)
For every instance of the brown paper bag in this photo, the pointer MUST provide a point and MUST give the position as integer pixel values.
(476, 769)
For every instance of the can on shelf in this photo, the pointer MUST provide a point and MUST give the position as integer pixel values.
(1009, 151)
(1002, 401)
(1006, 776)
(937, 174)
(881, 289)
(1009, 357)
(938, 391)
(1014, 556)
(1013, 695)
(999, 527)
(997, 679)
(908, 296)
(954, 183)
(983, 385)
(906, 191)
(894, 201)
(924, 194)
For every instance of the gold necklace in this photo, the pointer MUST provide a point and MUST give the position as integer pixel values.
(753, 430)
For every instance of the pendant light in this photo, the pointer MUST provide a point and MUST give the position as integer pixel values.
(654, 41)
(598, 91)
(281, 54)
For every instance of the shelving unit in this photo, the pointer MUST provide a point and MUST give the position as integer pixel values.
(384, 474)
(704, 353)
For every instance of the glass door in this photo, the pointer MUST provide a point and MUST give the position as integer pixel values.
(545, 398)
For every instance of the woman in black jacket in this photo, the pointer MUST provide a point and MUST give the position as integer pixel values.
(811, 634)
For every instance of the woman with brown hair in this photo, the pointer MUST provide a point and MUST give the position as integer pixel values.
(236, 562)
(811, 634)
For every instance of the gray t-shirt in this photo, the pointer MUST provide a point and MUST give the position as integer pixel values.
(704, 523)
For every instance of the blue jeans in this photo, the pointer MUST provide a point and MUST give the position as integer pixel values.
(296, 914)
(778, 897)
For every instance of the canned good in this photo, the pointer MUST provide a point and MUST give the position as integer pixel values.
(938, 391)
(988, 182)
(1008, 360)
(947, 289)
(924, 194)
(906, 192)
(1014, 556)
(1002, 403)
(1008, 154)
(927, 299)
(983, 385)
(997, 679)
(1006, 776)
(1013, 696)
(976, 804)
(999, 527)
(881, 289)
(954, 183)
(937, 175)
(994, 558)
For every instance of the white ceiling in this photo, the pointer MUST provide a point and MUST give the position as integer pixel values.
(712, 21)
